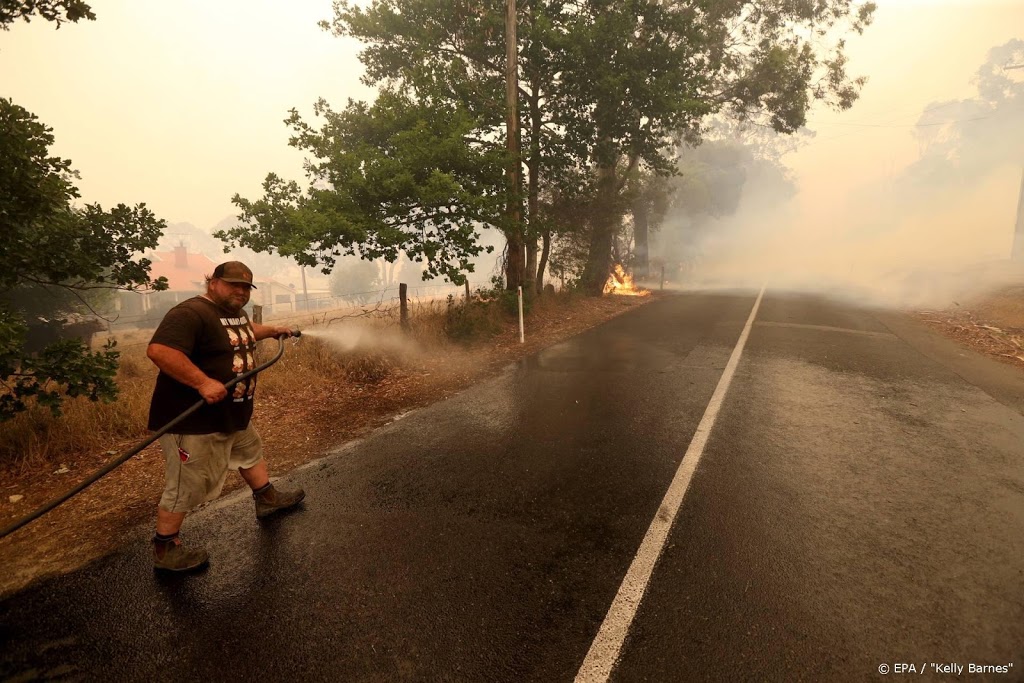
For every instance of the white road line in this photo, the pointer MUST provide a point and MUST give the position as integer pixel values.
(604, 651)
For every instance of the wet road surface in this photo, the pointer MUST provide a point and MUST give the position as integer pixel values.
(860, 502)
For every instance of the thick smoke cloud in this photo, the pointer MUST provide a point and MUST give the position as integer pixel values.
(939, 231)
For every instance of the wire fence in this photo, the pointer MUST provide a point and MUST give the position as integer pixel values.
(319, 308)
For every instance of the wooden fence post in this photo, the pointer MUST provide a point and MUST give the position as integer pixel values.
(257, 314)
(467, 290)
(403, 298)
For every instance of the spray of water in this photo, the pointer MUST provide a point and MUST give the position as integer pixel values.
(360, 338)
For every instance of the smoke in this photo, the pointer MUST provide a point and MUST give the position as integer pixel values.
(911, 251)
(937, 232)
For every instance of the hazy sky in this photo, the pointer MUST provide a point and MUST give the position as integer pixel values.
(178, 104)
(917, 52)
(181, 104)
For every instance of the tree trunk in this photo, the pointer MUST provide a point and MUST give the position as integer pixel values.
(403, 305)
(530, 274)
(595, 273)
(602, 231)
(641, 267)
(544, 254)
(534, 271)
(515, 264)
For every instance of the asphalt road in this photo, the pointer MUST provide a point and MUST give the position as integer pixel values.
(858, 505)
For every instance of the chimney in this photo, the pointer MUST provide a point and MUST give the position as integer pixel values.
(181, 257)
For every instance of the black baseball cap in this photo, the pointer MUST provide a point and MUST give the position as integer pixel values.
(234, 272)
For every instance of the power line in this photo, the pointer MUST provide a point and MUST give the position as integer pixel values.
(912, 125)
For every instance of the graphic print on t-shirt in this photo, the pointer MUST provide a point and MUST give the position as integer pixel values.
(243, 340)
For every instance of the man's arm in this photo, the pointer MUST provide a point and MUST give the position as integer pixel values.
(268, 331)
(177, 365)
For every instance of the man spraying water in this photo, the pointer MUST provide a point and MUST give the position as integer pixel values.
(200, 345)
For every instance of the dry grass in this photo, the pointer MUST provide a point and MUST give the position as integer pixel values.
(36, 439)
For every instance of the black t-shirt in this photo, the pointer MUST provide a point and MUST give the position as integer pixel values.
(221, 344)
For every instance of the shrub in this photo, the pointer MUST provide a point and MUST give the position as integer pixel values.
(475, 319)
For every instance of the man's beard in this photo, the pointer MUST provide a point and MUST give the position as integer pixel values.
(226, 302)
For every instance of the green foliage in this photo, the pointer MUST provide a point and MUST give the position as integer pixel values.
(65, 367)
(482, 316)
(607, 88)
(569, 254)
(394, 177)
(506, 300)
(57, 11)
(473, 321)
(46, 239)
(485, 313)
(55, 259)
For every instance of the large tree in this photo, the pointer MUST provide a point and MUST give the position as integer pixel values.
(396, 177)
(606, 90)
(443, 65)
(56, 257)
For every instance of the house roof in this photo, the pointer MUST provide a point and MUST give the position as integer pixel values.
(183, 274)
(270, 282)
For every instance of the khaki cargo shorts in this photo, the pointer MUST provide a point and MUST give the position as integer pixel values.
(198, 464)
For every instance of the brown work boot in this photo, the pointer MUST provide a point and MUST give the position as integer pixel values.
(171, 556)
(269, 500)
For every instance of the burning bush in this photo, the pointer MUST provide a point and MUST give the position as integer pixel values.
(621, 283)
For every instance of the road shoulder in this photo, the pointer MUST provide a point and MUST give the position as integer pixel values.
(1001, 381)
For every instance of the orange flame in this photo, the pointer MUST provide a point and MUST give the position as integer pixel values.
(621, 283)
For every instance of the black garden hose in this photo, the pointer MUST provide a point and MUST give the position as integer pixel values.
(117, 462)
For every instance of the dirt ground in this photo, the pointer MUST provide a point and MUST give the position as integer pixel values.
(992, 324)
(302, 428)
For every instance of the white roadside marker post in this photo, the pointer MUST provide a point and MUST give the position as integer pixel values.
(522, 339)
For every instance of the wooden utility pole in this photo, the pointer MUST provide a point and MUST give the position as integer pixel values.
(1018, 232)
(403, 305)
(516, 240)
(1017, 251)
(305, 294)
